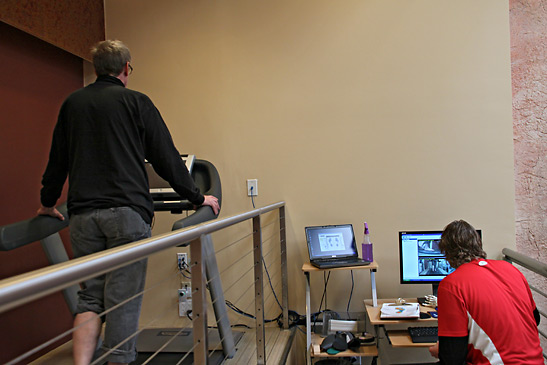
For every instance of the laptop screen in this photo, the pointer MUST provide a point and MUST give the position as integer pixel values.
(332, 241)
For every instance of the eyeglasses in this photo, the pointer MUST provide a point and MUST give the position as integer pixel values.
(130, 68)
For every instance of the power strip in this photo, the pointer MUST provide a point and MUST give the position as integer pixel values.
(185, 300)
(344, 326)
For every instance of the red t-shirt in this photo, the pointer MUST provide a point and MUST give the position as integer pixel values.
(490, 301)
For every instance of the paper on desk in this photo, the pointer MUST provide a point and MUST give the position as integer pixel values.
(395, 311)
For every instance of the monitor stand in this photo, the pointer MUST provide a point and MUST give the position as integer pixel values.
(435, 289)
(423, 300)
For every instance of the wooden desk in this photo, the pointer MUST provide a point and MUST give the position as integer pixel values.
(306, 269)
(398, 338)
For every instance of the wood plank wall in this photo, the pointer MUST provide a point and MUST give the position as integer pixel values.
(73, 26)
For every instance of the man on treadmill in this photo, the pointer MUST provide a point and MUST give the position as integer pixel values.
(103, 135)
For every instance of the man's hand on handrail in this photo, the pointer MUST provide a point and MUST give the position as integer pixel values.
(212, 201)
(52, 211)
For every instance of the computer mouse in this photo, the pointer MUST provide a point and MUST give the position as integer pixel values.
(327, 343)
(340, 341)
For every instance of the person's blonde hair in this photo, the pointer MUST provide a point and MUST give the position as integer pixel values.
(110, 57)
(461, 243)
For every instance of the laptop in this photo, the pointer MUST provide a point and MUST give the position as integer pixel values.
(333, 246)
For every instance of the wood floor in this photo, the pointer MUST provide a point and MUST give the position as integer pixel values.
(277, 343)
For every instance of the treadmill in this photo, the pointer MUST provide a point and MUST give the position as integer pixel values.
(206, 177)
(46, 230)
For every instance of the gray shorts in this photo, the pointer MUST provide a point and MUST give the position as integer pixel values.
(96, 231)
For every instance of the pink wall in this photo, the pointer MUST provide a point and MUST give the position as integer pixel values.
(529, 76)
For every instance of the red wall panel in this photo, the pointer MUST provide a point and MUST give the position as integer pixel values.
(35, 78)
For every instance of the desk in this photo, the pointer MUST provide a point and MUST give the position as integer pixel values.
(398, 338)
(310, 352)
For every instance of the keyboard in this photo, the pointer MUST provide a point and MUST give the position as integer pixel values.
(423, 334)
(327, 264)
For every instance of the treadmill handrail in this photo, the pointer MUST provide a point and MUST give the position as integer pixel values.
(22, 233)
(203, 213)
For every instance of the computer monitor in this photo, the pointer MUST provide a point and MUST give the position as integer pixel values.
(421, 260)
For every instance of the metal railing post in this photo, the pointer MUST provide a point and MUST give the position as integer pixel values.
(259, 297)
(284, 270)
(199, 301)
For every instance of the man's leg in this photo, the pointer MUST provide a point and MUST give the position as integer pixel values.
(86, 334)
(121, 226)
(87, 238)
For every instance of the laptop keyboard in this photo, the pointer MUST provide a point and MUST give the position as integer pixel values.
(423, 334)
(341, 263)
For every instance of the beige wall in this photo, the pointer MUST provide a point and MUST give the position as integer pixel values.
(393, 112)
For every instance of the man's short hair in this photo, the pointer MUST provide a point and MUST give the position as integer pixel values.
(110, 57)
(461, 243)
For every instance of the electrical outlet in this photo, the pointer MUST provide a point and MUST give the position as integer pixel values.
(182, 260)
(185, 299)
(252, 187)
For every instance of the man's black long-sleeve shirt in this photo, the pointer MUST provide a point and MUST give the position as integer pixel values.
(103, 135)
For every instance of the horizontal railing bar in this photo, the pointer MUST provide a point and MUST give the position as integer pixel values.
(27, 287)
(537, 290)
(525, 261)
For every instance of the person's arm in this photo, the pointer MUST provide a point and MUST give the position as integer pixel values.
(51, 211)
(453, 320)
(212, 201)
(452, 350)
(55, 174)
(434, 350)
(161, 152)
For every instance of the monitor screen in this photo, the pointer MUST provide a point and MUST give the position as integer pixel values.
(421, 260)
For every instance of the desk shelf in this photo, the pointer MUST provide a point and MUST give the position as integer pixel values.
(312, 348)
(316, 340)
(398, 338)
(307, 267)
(401, 338)
(373, 312)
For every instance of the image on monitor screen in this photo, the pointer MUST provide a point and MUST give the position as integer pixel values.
(421, 260)
(433, 266)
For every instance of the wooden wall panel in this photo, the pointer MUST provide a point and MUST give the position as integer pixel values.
(70, 25)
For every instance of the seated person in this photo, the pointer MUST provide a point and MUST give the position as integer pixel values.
(486, 311)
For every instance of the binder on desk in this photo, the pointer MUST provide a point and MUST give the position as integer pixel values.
(400, 311)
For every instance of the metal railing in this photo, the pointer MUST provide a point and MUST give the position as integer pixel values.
(28, 287)
(537, 268)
